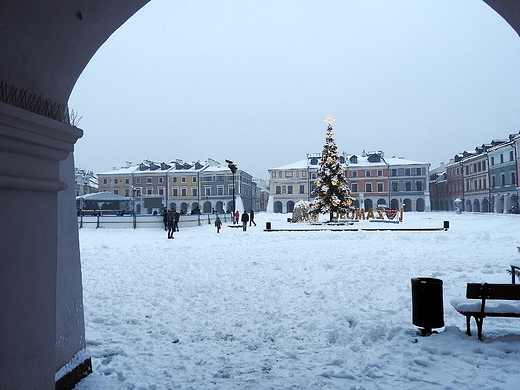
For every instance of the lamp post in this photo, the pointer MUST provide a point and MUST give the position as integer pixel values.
(233, 169)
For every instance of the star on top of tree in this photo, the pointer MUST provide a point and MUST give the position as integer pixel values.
(329, 120)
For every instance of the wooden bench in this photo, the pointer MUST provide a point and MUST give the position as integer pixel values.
(488, 300)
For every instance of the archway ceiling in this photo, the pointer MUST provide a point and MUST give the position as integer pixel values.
(509, 10)
(46, 44)
(49, 42)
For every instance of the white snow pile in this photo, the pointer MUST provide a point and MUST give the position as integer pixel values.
(294, 310)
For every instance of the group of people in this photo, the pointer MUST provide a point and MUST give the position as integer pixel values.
(171, 221)
(245, 218)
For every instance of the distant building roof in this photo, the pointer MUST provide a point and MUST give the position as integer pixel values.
(103, 196)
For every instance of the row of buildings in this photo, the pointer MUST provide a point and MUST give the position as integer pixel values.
(482, 181)
(485, 180)
(374, 180)
(186, 187)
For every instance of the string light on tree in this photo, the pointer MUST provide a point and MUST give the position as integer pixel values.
(332, 194)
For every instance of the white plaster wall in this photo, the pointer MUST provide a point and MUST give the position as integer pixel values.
(70, 327)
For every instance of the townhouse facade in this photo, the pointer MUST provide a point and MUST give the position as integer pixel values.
(482, 181)
(86, 182)
(374, 180)
(190, 188)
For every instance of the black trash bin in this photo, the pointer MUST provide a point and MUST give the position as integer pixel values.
(427, 304)
(268, 226)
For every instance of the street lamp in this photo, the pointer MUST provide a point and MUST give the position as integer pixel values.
(233, 169)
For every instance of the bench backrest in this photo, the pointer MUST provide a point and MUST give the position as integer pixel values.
(493, 291)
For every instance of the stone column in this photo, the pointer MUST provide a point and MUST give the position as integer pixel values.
(31, 148)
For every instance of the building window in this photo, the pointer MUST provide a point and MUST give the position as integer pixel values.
(105, 181)
(289, 189)
(183, 179)
(304, 173)
(220, 190)
(278, 189)
(354, 187)
(161, 191)
(354, 173)
(116, 192)
(273, 175)
(231, 188)
(393, 172)
(184, 191)
(368, 187)
(116, 181)
(175, 192)
(407, 172)
(407, 185)
(513, 178)
(492, 160)
(419, 185)
(395, 186)
(149, 191)
(175, 180)
(160, 180)
(511, 156)
(137, 180)
(484, 165)
(367, 174)
(379, 173)
(380, 187)
(418, 171)
(302, 189)
(148, 180)
(194, 179)
(288, 174)
(208, 191)
(127, 181)
(501, 158)
(193, 191)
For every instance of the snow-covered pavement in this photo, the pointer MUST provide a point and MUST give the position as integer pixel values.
(294, 310)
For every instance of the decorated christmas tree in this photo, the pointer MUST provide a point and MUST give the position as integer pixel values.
(332, 194)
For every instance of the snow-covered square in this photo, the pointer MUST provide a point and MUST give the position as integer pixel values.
(294, 310)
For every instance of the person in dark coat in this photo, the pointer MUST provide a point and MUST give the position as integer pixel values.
(170, 221)
(218, 224)
(245, 220)
(176, 222)
(252, 217)
(165, 217)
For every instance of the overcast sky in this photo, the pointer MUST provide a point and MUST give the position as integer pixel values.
(253, 81)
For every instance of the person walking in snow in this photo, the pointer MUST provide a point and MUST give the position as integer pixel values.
(165, 218)
(245, 220)
(170, 221)
(176, 221)
(218, 224)
(237, 215)
(252, 217)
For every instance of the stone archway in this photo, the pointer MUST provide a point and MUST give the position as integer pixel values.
(46, 46)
